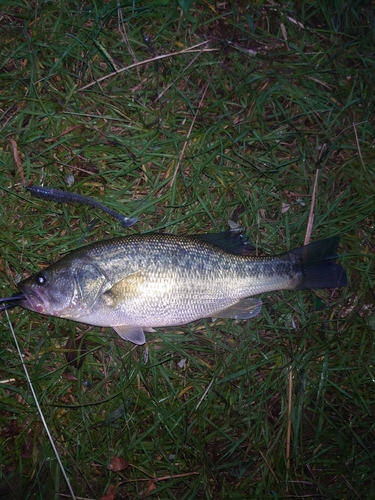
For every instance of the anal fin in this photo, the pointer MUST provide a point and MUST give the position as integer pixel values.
(244, 309)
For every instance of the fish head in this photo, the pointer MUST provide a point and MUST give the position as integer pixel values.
(66, 289)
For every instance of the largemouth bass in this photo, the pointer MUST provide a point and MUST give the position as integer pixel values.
(136, 283)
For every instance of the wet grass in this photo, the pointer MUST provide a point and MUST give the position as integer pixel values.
(281, 406)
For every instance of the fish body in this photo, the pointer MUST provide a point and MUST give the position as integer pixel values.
(139, 282)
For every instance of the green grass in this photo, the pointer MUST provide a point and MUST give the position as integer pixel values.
(235, 129)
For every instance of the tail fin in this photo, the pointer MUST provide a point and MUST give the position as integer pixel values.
(319, 266)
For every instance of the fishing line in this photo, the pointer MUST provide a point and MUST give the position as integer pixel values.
(40, 410)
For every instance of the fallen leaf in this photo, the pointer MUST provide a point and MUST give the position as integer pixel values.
(76, 351)
(150, 488)
(17, 160)
(117, 464)
(69, 376)
(110, 494)
(285, 207)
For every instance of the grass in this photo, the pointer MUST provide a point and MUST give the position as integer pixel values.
(281, 406)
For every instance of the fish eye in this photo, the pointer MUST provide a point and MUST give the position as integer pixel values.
(41, 279)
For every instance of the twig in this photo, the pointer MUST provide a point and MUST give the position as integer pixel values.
(65, 132)
(289, 426)
(179, 76)
(269, 466)
(17, 160)
(163, 478)
(72, 495)
(359, 149)
(188, 135)
(204, 394)
(190, 50)
(310, 222)
(7, 381)
(77, 498)
(122, 30)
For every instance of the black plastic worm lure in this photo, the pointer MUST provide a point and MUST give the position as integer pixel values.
(10, 302)
(52, 194)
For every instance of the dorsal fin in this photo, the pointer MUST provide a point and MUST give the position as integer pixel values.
(234, 242)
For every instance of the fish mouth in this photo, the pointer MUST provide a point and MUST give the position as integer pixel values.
(35, 301)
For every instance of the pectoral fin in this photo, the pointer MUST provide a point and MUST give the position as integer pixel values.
(124, 289)
(134, 334)
(244, 309)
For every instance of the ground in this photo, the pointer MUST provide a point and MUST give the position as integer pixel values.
(187, 115)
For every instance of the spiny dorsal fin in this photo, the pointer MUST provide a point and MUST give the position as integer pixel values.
(233, 242)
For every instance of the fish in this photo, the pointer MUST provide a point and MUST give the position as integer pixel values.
(140, 282)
